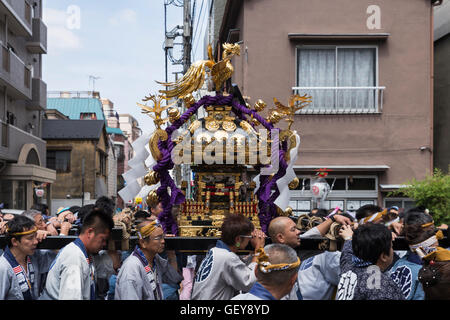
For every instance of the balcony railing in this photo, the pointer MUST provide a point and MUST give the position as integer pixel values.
(342, 100)
(15, 74)
(39, 95)
(73, 94)
(20, 16)
(38, 42)
(13, 139)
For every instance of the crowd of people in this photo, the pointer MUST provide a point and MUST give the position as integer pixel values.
(364, 268)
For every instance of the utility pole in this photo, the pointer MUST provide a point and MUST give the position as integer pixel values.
(165, 34)
(187, 51)
(82, 181)
(187, 35)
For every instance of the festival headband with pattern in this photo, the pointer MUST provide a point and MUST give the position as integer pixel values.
(374, 217)
(147, 230)
(424, 248)
(266, 267)
(439, 254)
(24, 233)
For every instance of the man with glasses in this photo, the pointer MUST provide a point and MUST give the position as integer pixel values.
(143, 272)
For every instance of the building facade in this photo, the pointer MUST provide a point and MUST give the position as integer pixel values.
(130, 128)
(120, 143)
(79, 105)
(78, 151)
(23, 99)
(368, 66)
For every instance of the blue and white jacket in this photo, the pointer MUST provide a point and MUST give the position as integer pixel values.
(405, 274)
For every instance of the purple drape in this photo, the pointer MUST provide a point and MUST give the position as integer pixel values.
(266, 198)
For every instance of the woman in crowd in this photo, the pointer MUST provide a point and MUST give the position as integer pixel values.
(419, 230)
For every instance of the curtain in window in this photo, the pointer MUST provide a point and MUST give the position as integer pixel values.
(356, 68)
(317, 69)
(344, 67)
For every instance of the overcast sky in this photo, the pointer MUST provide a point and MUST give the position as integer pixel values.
(119, 41)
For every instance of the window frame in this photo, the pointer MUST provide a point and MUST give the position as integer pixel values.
(402, 199)
(378, 99)
(69, 165)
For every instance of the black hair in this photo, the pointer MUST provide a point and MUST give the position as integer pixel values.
(418, 208)
(321, 213)
(435, 280)
(345, 214)
(107, 204)
(367, 210)
(142, 214)
(74, 209)
(83, 211)
(235, 225)
(412, 226)
(370, 240)
(18, 224)
(99, 220)
(42, 208)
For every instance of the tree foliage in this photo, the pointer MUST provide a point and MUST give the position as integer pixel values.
(433, 193)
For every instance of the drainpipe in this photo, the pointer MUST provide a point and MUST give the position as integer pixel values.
(433, 4)
(95, 169)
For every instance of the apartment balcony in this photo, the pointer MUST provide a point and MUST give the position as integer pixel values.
(13, 139)
(18, 14)
(39, 95)
(38, 42)
(15, 75)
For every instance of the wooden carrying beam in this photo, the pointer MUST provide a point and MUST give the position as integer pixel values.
(201, 244)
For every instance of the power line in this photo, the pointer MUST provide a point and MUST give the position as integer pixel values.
(199, 40)
(199, 17)
(191, 39)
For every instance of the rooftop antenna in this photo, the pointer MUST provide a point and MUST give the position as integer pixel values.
(93, 78)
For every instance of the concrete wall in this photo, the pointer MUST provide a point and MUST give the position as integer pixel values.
(267, 69)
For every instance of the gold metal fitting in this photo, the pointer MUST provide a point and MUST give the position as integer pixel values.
(274, 117)
(259, 105)
(174, 114)
(151, 178)
(294, 183)
(189, 100)
(152, 198)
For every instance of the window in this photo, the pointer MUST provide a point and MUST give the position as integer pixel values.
(399, 202)
(339, 79)
(33, 158)
(304, 184)
(88, 116)
(361, 183)
(5, 60)
(336, 183)
(11, 118)
(102, 164)
(27, 77)
(21, 195)
(5, 138)
(58, 160)
(300, 206)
